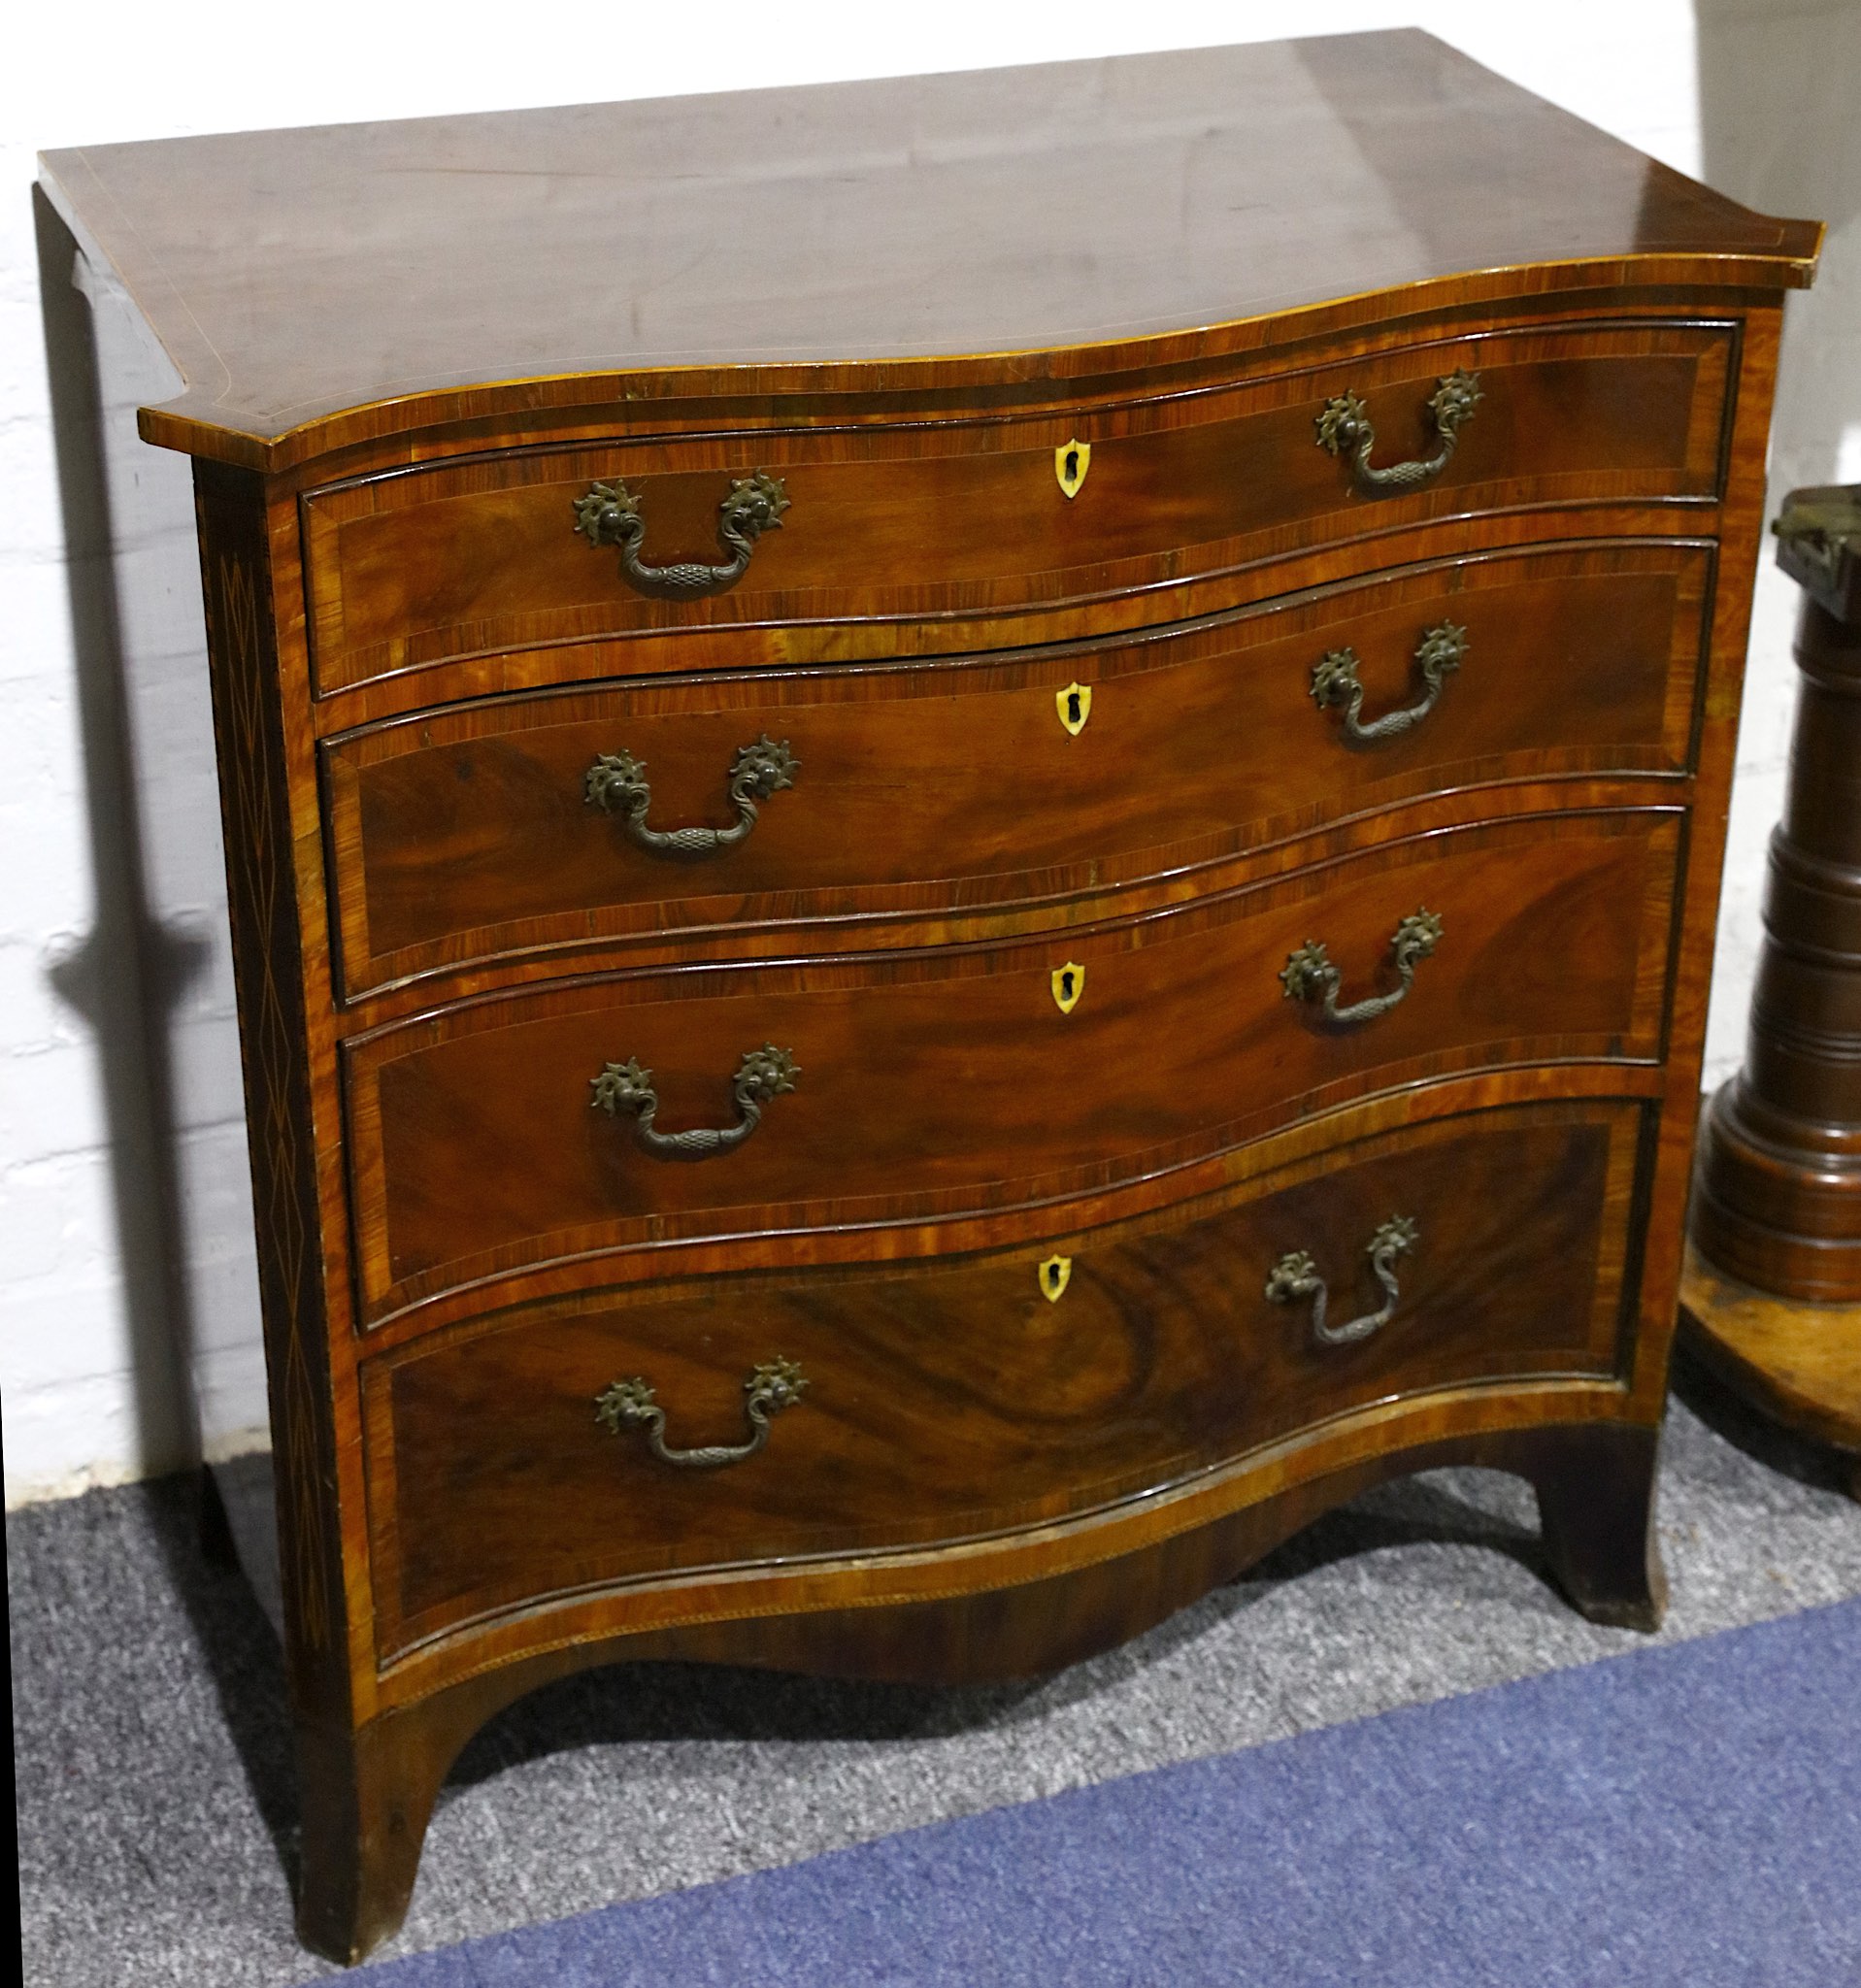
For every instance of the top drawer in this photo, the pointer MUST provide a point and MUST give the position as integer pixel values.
(952, 521)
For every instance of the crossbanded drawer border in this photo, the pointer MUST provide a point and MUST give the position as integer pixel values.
(722, 1589)
(344, 660)
(383, 1296)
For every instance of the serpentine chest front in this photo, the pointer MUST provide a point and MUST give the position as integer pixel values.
(960, 875)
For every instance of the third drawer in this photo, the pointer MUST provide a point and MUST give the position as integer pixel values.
(548, 1129)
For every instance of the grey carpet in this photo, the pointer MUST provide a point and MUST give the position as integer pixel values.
(154, 1795)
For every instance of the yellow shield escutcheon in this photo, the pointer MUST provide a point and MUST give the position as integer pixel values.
(1075, 707)
(1069, 983)
(1053, 1274)
(1071, 461)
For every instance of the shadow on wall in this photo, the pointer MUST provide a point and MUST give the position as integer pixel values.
(1778, 130)
(120, 976)
(153, 979)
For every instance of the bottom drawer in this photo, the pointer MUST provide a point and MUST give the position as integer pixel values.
(974, 1396)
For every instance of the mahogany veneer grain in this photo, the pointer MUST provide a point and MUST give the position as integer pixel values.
(932, 522)
(457, 269)
(464, 835)
(948, 1084)
(1160, 1358)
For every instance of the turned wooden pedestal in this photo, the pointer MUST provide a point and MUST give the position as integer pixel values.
(1771, 1293)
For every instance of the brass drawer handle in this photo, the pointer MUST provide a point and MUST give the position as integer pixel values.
(1345, 429)
(1308, 974)
(762, 1075)
(1296, 1276)
(608, 514)
(617, 783)
(1334, 683)
(775, 1385)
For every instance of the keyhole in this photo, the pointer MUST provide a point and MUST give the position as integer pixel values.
(1066, 984)
(1072, 465)
(1074, 716)
(1053, 1278)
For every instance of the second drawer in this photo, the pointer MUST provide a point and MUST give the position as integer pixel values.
(556, 1126)
(507, 827)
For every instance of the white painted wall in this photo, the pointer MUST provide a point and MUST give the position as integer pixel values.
(84, 1365)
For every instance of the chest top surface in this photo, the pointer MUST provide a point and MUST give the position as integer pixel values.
(295, 275)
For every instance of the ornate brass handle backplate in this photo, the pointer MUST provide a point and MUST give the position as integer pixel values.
(608, 514)
(1335, 682)
(1296, 1276)
(762, 1075)
(775, 1385)
(1308, 974)
(617, 783)
(1345, 431)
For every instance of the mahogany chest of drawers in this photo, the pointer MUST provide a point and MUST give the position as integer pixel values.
(972, 828)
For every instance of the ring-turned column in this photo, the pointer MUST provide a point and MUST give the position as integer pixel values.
(1772, 1290)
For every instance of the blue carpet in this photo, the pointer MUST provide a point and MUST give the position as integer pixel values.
(1689, 1814)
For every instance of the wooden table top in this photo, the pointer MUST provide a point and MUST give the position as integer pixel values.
(296, 276)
